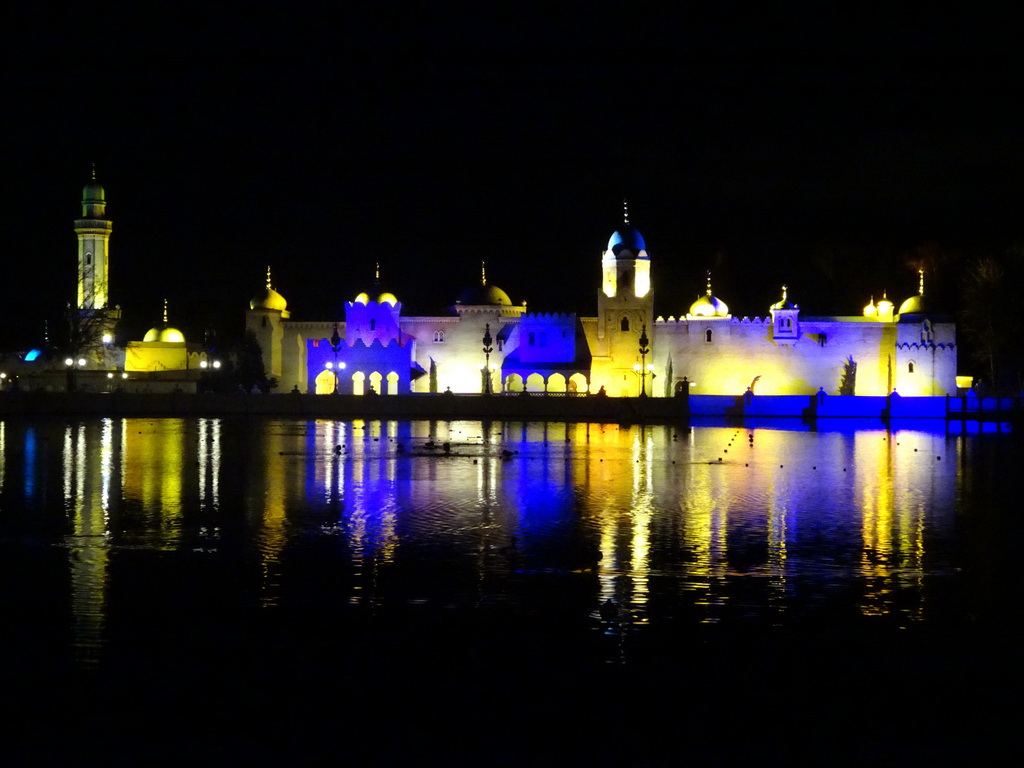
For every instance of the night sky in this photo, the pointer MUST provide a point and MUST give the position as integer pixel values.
(827, 149)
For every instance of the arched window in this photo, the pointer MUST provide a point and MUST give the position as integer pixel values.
(439, 337)
(910, 367)
(707, 336)
(373, 324)
(88, 259)
(624, 325)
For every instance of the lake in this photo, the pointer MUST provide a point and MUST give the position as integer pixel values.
(282, 591)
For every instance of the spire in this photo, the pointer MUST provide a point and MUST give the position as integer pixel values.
(268, 277)
(483, 272)
(376, 272)
(709, 282)
(165, 311)
(625, 211)
(784, 288)
(94, 171)
(920, 287)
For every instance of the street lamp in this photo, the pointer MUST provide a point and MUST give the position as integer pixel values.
(645, 348)
(487, 358)
(335, 346)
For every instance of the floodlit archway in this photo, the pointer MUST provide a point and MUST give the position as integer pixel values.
(324, 382)
(514, 383)
(358, 383)
(556, 383)
(535, 383)
(392, 383)
(375, 380)
(578, 383)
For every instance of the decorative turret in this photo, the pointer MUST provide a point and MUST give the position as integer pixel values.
(785, 318)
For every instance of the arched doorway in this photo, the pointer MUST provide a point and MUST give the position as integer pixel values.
(578, 383)
(556, 383)
(535, 383)
(324, 382)
(514, 383)
(358, 383)
(375, 380)
(392, 383)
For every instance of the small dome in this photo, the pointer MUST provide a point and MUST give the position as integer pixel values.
(915, 304)
(871, 310)
(93, 193)
(709, 306)
(164, 333)
(627, 243)
(784, 303)
(387, 298)
(269, 299)
(484, 294)
(362, 298)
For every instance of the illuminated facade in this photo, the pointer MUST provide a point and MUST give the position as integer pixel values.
(622, 351)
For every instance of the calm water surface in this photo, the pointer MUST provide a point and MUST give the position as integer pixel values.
(211, 564)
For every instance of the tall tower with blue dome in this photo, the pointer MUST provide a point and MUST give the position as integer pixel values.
(93, 231)
(625, 307)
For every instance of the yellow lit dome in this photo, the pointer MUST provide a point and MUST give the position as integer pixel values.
(387, 298)
(164, 333)
(913, 305)
(870, 310)
(709, 306)
(269, 299)
(362, 298)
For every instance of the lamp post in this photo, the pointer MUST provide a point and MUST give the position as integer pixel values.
(645, 348)
(335, 346)
(487, 358)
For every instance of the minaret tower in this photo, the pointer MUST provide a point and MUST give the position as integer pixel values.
(93, 231)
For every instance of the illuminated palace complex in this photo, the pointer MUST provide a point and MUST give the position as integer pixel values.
(487, 343)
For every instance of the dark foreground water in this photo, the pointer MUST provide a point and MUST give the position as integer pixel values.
(213, 591)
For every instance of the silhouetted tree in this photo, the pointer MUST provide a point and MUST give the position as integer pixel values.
(990, 322)
(848, 384)
(250, 371)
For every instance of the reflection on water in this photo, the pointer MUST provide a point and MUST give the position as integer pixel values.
(710, 525)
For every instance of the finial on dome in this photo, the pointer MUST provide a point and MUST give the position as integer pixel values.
(94, 171)
(376, 272)
(784, 289)
(709, 282)
(483, 272)
(268, 277)
(165, 311)
(625, 211)
(920, 287)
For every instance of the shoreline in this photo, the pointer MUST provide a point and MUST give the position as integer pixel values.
(550, 407)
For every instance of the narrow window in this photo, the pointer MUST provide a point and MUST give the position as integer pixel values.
(373, 325)
(533, 339)
(910, 368)
(624, 325)
(707, 335)
(439, 337)
(88, 259)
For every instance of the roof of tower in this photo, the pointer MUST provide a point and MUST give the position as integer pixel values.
(268, 298)
(626, 243)
(784, 303)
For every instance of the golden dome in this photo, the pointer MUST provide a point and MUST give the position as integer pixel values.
(871, 310)
(164, 333)
(269, 299)
(709, 305)
(387, 298)
(362, 298)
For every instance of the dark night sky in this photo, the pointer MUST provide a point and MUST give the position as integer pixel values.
(819, 148)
